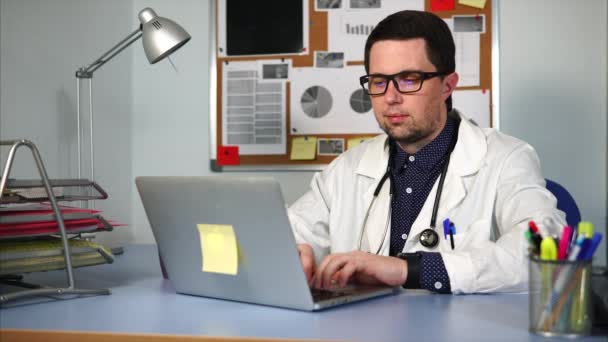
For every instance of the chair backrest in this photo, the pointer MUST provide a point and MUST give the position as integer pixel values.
(565, 203)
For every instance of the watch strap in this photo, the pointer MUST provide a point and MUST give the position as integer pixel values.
(413, 269)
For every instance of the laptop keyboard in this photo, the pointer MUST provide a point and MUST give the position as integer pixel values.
(320, 294)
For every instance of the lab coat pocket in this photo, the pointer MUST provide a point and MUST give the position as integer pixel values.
(468, 235)
(477, 232)
(459, 240)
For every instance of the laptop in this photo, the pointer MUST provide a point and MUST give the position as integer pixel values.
(269, 268)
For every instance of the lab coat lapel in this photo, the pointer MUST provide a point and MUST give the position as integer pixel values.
(378, 226)
(452, 195)
(466, 159)
(371, 167)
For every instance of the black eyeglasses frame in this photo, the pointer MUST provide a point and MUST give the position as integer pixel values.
(424, 76)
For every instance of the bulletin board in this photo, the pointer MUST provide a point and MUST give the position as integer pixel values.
(269, 108)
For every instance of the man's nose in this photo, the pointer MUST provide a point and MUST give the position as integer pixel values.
(392, 94)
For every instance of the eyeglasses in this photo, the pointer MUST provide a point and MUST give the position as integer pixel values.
(404, 81)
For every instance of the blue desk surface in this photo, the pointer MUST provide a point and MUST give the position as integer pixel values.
(143, 302)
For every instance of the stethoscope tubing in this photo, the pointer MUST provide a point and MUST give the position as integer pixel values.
(389, 175)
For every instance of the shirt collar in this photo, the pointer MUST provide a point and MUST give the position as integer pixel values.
(430, 155)
(467, 158)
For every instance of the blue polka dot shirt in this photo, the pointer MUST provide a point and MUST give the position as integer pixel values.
(414, 176)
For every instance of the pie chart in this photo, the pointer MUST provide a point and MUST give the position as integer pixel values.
(316, 101)
(360, 101)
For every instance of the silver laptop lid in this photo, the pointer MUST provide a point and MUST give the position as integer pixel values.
(269, 269)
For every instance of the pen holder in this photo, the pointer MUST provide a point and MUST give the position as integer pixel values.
(559, 301)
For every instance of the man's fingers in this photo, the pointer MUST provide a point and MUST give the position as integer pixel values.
(330, 278)
(307, 259)
(330, 274)
(309, 270)
(337, 270)
(320, 272)
(346, 273)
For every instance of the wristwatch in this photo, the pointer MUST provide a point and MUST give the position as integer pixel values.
(413, 269)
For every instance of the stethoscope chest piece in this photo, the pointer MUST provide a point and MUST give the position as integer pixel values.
(429, 238)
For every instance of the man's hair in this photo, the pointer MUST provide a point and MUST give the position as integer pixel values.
(408, 24)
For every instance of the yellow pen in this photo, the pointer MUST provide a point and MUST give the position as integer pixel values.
(548, 251)
(585, 228)
(578, 310)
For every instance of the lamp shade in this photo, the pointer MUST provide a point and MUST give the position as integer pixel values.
(160, 36)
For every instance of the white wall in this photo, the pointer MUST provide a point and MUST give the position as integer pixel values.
(553, 93)
(42, 43)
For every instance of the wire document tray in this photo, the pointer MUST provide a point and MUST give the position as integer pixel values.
(22, 191)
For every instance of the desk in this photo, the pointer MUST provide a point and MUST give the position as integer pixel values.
(142, 302)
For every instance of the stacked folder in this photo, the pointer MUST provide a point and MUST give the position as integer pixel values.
(32, 219)
(18, 257)
(29, 241)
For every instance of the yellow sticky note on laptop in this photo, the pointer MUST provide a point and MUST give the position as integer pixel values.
(219, 248)
(303, 148)
(473, 3)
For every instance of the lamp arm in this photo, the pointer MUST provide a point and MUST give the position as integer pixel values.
(87, 71)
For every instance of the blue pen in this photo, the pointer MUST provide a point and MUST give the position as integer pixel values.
(576, 250)
(595, 241)
(452, 232)
(584, 248)
(446, 228)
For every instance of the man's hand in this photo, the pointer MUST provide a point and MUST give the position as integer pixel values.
(336, 270)
(307, 258)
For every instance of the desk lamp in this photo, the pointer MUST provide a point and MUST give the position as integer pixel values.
(161, 37)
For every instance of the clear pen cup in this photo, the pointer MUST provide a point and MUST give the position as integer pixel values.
(560, 297)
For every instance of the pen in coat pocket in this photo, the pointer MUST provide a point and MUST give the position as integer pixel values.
(449, 228)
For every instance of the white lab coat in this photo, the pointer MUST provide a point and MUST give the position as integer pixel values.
(493, 187)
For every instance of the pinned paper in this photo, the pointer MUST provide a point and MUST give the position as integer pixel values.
(473, 3)
(303, 148)
(352, 142)
(219, 248)
(442, 5)
(228, 155)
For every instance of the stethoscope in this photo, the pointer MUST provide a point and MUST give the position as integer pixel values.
(428, 237)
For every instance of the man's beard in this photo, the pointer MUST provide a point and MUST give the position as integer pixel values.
(408, 137)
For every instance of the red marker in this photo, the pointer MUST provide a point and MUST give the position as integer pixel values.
(533, 227)
(562, 251)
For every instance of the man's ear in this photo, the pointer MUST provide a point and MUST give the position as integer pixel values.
(449, 85)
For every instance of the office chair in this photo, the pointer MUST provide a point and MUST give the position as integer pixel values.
(565, 203)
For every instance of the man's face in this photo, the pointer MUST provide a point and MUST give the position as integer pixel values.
(413, 119)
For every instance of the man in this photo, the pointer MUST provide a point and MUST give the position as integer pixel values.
(350, 228)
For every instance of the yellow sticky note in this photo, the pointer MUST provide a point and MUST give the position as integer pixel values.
(473, 3)
(352, 142)
(303, 148)
(219, 249)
